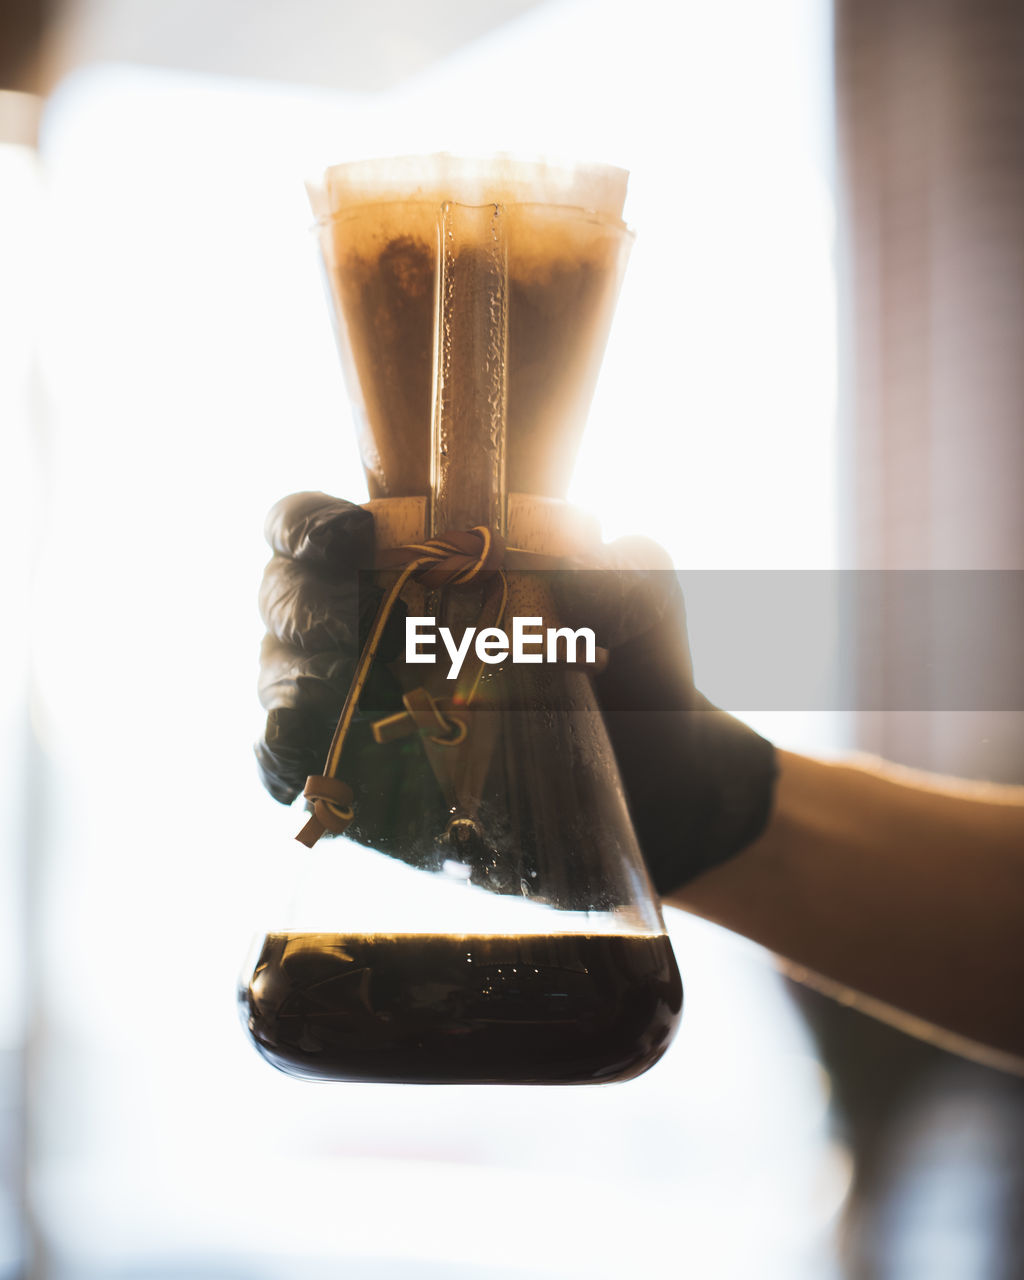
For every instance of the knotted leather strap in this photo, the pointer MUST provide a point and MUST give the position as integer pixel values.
(332, 803)
(455, 559)
(458, 558)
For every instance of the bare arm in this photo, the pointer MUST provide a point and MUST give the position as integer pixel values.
(904, 888)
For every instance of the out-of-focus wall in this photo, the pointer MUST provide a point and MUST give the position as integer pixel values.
(931, 161)
(930, 128)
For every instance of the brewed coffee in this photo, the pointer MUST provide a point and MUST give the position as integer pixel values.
(445, 1009)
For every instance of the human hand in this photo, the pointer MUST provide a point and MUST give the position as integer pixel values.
(699, 782)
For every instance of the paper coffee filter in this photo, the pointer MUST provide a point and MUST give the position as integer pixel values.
(499, 179)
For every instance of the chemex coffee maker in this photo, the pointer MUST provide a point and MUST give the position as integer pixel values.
(478, 910)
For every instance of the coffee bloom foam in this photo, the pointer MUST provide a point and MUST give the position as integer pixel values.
(498, 179)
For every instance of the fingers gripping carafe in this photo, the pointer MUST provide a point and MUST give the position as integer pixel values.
(484, 914)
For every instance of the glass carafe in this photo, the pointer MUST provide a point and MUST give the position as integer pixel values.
(485, 915)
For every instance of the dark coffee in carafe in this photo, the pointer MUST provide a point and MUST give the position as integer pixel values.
(444, 1009)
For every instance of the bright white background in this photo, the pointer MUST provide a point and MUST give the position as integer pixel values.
(189, 379)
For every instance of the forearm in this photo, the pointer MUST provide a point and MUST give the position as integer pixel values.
(892, 885)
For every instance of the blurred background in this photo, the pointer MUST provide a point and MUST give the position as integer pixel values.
(816, 364)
